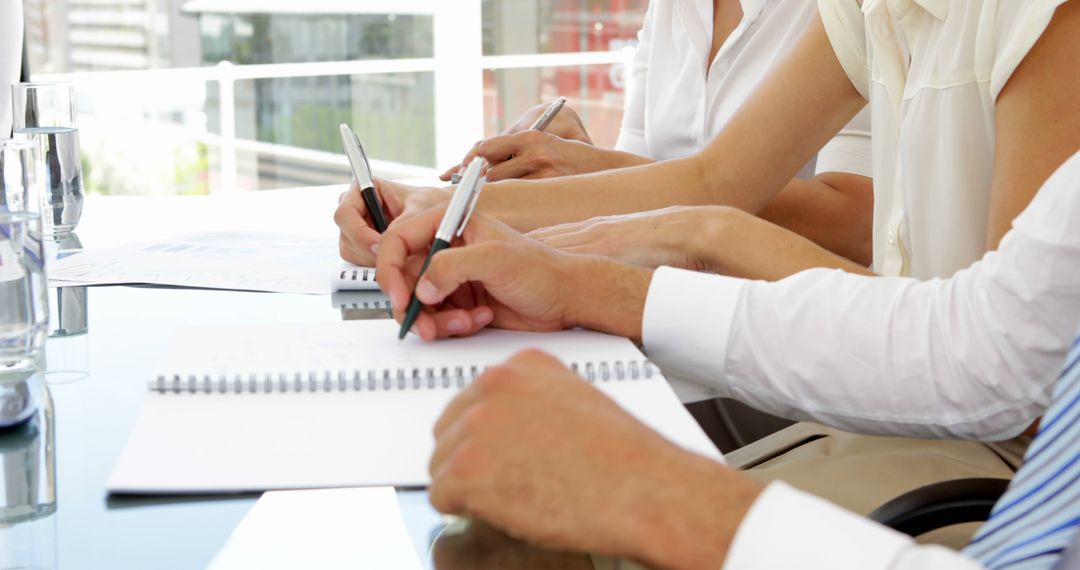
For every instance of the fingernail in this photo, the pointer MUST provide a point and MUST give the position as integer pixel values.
(426, 291)
(483, 319)
(375, 249)
(456, 326)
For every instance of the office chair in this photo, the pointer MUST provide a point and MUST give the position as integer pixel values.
(940, 505)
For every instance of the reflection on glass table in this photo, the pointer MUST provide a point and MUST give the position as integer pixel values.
(28, 485)
(67, 353)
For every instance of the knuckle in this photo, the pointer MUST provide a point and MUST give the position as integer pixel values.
(467, 460)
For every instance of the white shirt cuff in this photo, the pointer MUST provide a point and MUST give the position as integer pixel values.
(685, 329)
(787, 528)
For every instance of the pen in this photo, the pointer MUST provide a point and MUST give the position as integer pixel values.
(454, 220)
(540, 124)
(362, 173)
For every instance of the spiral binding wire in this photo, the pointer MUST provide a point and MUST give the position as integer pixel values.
(375, 380)
(365, 275)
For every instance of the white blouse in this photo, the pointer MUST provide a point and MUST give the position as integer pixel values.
(11, 32)
(922, 63)
(673, 108)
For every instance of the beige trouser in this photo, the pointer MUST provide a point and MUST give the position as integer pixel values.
(861, 473)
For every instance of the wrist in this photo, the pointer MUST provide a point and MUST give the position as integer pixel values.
(605, 295)
(691, 524)
(715, 241)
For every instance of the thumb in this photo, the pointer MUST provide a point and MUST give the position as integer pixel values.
(485, 262)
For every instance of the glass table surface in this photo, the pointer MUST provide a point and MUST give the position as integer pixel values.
(127, 332)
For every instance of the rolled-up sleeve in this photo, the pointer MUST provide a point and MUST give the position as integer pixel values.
(787, 528)
(844, 24)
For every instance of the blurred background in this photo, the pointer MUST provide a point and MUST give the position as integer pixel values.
(213, 96)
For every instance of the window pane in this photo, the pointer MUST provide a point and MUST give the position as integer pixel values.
(594, 91)
(513, 27)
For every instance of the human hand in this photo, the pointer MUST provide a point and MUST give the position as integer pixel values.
(358, 241)
(678, 236)
(566, 125)
(494, 276)
(536, 154)
(534, 450)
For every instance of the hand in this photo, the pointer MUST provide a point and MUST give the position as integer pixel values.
(358, 240)
(566, 125)
(679, 236)
(536, 154)
(495, 276)
(532, 449)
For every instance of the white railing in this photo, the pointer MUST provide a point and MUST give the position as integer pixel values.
(458, 65)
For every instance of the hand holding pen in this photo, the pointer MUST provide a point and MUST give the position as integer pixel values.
(540, 125)
(362, 174)
(457, 215)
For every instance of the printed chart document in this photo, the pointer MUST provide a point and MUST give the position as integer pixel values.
(344, 404)
(221, 260)
(329, 529)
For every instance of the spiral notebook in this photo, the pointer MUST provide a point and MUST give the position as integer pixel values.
(345, 404)
(353, 278)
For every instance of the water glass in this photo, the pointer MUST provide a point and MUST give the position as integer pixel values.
(45, 114)
(24, 305)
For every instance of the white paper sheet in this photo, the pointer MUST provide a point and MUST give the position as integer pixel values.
(331, 529)
(221, 260)
(334, 435)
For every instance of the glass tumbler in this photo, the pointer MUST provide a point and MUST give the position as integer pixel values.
(24, 305)
(45, 115)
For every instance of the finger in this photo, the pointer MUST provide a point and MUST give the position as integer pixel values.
(403, 240)
(472, 394)
(451, 268)
(496, 149)
(570, 239)
(518, 167)
(356, 230)
(549, 231)
(446, 176)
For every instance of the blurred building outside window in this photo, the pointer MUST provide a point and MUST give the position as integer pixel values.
(201, 96)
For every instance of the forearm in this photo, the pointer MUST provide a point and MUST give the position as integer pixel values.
(802, 104)
(833, 210)
(605, 295)
(742, 245)
(530, 204)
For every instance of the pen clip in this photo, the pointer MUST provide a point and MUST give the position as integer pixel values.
(472, 205)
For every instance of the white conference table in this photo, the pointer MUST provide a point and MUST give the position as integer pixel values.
(128, 331)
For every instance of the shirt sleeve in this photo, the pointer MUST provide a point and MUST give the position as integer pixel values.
(687, 340)
(846, 28)
(973, 356)
(787, 528)
(850, 150)
(1019, 25)
(632, 132)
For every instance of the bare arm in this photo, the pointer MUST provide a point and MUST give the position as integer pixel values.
(803, 103)
(835, 210)
(1037, 120)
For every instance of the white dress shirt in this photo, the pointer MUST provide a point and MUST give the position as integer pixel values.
(973, 356)
(11, 33)
(920, 62)
(674, 108)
